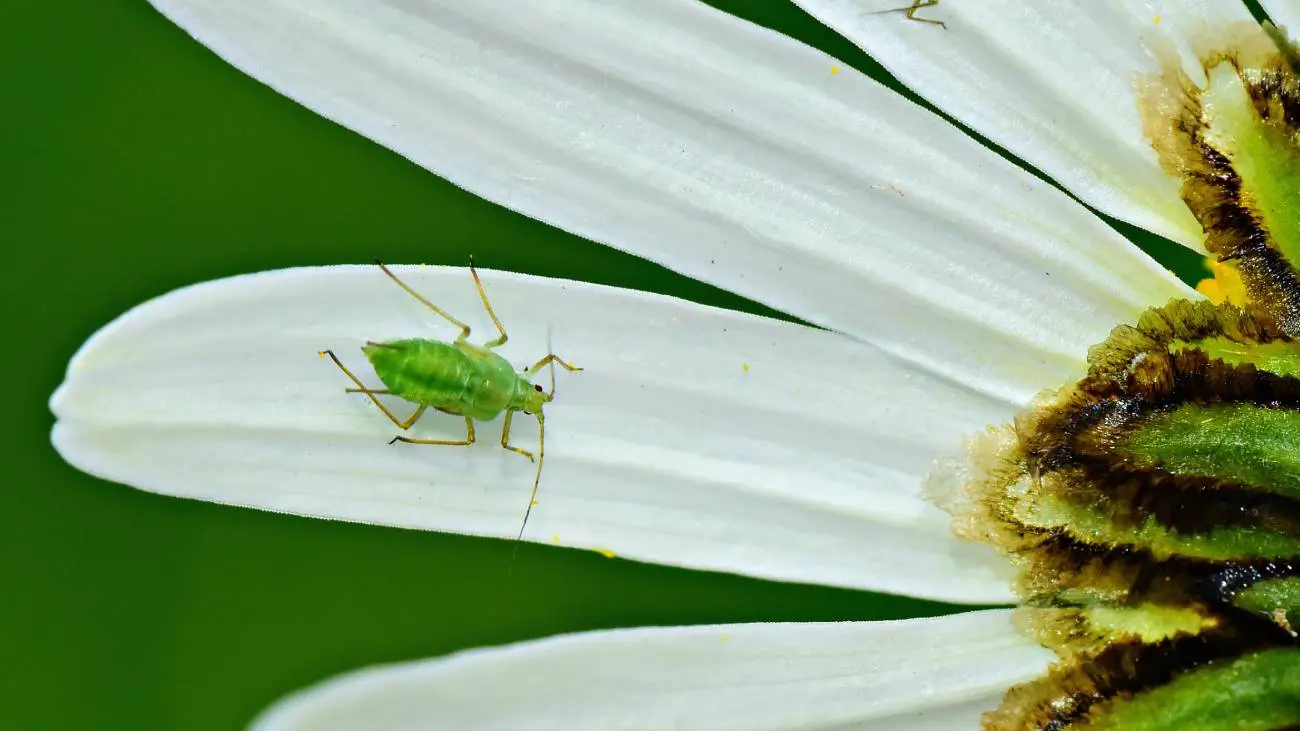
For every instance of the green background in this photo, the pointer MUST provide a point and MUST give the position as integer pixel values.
(137, 162)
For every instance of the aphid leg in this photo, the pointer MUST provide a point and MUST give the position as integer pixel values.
(468, 440)
(548, 360)
(464, 329)
(551, 358)
(487, 306)
(911, 12)
(370, 393)
(917, 5)
(505, 438)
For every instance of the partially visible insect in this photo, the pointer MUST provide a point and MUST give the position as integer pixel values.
(911, 12)
(458, 378)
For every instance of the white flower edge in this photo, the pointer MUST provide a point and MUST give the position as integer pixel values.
(1285, 13)
(725, 151)
(932, 674)
(1053, 83)
(694, 437)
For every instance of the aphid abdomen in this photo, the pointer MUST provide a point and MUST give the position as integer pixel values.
(491, 386)
(422, 371)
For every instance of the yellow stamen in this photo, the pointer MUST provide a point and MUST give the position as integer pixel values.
(1224, 286)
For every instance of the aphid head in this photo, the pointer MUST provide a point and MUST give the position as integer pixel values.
(533, 397)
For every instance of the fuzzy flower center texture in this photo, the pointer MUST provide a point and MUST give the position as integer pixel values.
(1152, 509)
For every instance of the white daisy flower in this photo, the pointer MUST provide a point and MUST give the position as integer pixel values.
(947, 285)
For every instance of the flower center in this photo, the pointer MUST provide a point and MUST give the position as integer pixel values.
(1153, 508)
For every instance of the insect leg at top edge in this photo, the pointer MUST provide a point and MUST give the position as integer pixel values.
(911, 12)
(482, 295)
(464, 329)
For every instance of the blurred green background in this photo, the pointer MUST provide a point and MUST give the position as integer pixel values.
(137, 162)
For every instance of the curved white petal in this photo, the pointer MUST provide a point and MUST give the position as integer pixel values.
(1052, 82)
(725, 151)
(694, 436)
(911, 675)
(1285, 13)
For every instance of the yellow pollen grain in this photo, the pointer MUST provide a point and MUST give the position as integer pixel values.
(605, 552)
(1224, 286)
(1157, 19)
(835, 70)
(724, 638)
(535, 503)
(555, 538)
(744, 367)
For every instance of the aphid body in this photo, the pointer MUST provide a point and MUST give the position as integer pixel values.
(458, 378)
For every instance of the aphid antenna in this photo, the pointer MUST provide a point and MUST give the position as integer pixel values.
(541, 452)
(532, 497)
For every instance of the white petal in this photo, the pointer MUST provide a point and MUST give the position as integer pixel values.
(1285, 13)
(724, 151)
(911, 675)
(1052, 82)
(695, 436)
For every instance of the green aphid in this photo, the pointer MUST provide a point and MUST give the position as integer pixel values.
(458, 378)
(911, 11)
